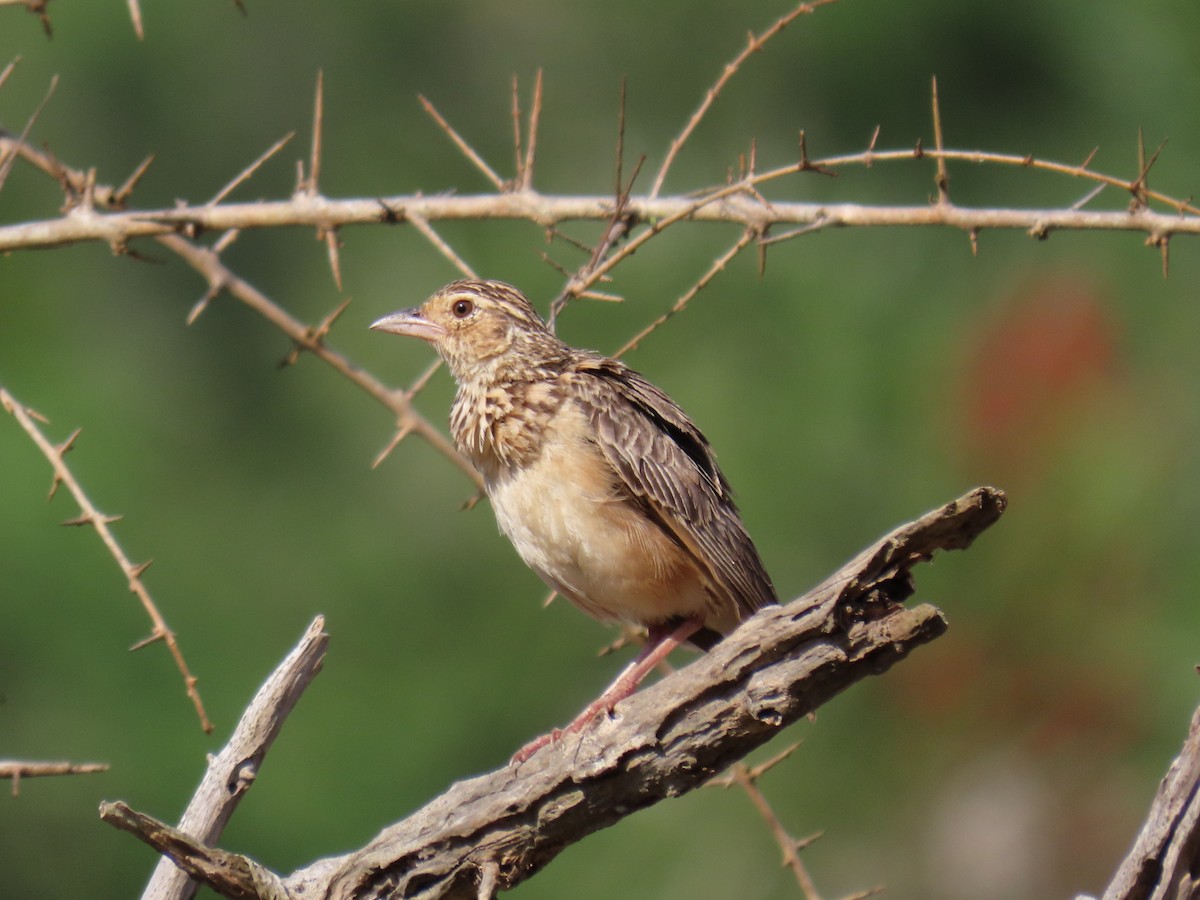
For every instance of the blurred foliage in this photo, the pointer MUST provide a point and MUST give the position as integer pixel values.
(865, 377)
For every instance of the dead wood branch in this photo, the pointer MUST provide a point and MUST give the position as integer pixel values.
(490, 833)
(232, 771)
(1165, 858)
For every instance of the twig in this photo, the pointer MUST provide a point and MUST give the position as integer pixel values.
(18, 769)
(89, 515)
(753, 45)
(208, 263)
(718, 265)
(10, 152)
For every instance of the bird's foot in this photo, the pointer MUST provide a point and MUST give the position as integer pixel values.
(655, 651)
(534, 746)
(604, 704)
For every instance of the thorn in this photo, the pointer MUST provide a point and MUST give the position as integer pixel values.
(314, 166)
(327, 323)
(629, 634)
(402, 432)
(620, 151)
(66, 445)
(1163, 243)
(535, 115)
(601, 296)
(335, 264)
(549, 598)
(1088, 161)
(147, 641)
(135, 572)
(471, 502)
(122, 193)
(973, 234)
(462, 145)
(942, 179)
(805, 842)
(868, 159)
(869, 892)
(1089, 196)
(226, 240)
(202, 304)
(8, 70)
(519, 158)
(135, 13)
(919, 150)
(89, 519)
(805, 164)
(248, 172)
(1137, 187)
(7, 162)
(764, 767)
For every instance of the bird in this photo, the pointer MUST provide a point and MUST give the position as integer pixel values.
(604, 486)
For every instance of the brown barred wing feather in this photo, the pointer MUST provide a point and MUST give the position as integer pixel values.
(667, 464)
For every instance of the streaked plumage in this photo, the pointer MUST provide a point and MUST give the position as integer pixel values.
(602, 483)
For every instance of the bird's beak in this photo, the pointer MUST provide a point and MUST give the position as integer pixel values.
(409, 322)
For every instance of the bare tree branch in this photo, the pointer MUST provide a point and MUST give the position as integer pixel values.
(1165, 859)
(232, 771)
(17, 769)
(90, 515)
(491, 832)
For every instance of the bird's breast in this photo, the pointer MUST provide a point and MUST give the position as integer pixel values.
(571, 520)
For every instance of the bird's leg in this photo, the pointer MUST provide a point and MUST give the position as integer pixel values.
(659, 644)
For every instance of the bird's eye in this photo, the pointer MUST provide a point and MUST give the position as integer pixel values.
(462, 308)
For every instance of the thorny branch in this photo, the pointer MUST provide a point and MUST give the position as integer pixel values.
(753, 45)
(90, 515)
(727, 204)
(17, 769)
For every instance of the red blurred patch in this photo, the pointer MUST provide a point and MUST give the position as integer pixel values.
(1049, 353)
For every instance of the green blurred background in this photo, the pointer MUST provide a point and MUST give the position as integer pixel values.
(867, 376)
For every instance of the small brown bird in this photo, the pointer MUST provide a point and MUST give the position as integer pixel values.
(604, 486)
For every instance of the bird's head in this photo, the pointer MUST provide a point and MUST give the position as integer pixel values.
(484, 330)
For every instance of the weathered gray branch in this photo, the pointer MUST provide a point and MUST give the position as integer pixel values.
(229, 775)
(491, 832)
(1164, 863)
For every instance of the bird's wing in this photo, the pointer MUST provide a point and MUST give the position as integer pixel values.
(669, 467)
